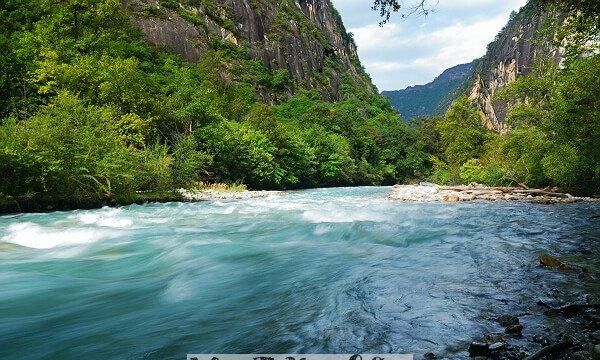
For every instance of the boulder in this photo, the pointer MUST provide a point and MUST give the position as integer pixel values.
(498, 347)
(451, 198)
(478, 349)
(514, 330)
(508, 320)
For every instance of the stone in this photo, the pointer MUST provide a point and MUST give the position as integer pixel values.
(493, 338)
(478, 349)
(596, 352)
(514, 330)
(451, 198)
(498, 347)
(541, 340)
(430, 356)
(508, 320)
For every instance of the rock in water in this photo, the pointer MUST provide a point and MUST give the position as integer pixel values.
(514, 330)
(497, 347)
(478, 349)
(507, 320)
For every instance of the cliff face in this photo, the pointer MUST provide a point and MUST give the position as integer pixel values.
(512, 54)
(305, 37)
(432, 98)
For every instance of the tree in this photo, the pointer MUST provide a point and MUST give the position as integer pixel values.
(387, 7)
(461, 132)
(588, 8)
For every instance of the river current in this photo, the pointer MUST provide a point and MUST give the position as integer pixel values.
(318, 271)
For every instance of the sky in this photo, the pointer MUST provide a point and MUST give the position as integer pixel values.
(413, 51)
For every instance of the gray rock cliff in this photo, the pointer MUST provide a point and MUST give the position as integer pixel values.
(512, 54)
(305, 37)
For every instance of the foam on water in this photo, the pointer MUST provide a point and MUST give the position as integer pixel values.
(32, 235)
(105, 217)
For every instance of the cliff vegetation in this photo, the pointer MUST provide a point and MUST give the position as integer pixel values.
(549, 135)
(93, 112)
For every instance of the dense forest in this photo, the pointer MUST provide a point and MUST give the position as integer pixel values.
(553, 119)
(90, 113)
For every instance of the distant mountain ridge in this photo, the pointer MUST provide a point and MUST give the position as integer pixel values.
(432, 98)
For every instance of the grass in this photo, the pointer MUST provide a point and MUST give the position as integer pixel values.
(219, 187)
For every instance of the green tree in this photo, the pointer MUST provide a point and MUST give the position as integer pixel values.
(461, 132)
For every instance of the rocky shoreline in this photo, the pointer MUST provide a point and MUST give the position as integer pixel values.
(575, 334)
(211, 195)
(428, 192)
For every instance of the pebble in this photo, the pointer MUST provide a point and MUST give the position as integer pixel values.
(190, 195)
(428, 192)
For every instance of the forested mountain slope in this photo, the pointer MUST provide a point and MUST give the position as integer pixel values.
(532, 117)
(108, 101)
(306, 39)
(432, 98)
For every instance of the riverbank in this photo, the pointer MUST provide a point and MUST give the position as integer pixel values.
(423, 192)
(428, 192)
(36, 204)
(210, 195)
(46, 204)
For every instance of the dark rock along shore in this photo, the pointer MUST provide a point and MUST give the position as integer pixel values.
(575, 315)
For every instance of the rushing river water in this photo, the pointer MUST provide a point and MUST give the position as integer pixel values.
(319, 271)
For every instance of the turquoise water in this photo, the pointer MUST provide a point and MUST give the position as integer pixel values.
(327, 270)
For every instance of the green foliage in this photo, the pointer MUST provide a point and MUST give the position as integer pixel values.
(239, 153)
(91, 114)
(461, 132)
(554, 138)
(189, 164)
(70, 150)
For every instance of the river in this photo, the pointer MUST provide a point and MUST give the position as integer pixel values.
(319, 271)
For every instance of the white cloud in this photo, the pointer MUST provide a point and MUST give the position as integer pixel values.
(414, 51)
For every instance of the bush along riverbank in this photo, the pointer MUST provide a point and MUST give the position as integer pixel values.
(24, 204)
(199, 192)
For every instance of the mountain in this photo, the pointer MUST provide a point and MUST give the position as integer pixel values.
(432, 98)
(306, 40)
(514, 52)
(106, 102)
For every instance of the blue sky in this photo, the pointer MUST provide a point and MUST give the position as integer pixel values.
(415, 50)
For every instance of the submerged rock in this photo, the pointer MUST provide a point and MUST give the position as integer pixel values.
(508, 320)
(498, 347)
(479, 349)
(514, 330)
